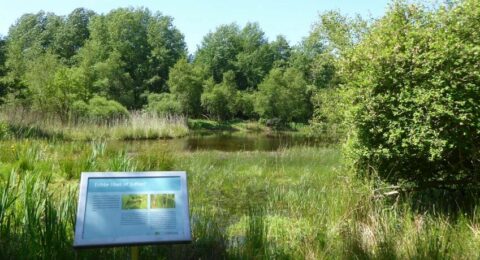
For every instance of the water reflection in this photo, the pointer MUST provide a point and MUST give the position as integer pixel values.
(248, 142)
(227, 142)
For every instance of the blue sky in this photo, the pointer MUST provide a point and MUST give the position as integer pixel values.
(195, 18)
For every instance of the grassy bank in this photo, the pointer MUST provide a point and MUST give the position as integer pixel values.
(139, 126)
(295, 203)
(244, 126)
(145, 126)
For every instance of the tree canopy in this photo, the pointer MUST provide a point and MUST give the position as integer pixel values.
(130, 54)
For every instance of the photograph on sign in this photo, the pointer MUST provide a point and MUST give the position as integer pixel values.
(132, 208)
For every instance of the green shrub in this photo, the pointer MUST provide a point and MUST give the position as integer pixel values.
(245, 104)
(416, 81)
(99, 109)
(79, 109)
(284, 95)
(164, 104)
(219, 100)
(329, 113)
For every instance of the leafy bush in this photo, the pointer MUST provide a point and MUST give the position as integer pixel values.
(80, 109)
(284, 95)
(245, 104)
(99, 109)
(164, 104)
(219, 100)
(329, 112)
(416, 81)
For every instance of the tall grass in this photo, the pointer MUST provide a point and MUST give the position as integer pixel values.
(297, 203)
(140, 125)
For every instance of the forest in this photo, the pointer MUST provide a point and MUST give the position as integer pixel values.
(87, 65)
(394, 101)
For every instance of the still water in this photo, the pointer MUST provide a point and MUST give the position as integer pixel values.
(232, 142)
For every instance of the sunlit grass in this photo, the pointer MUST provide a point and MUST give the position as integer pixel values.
(139, 126)
(298, 203)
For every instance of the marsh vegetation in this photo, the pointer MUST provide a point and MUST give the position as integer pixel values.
(298, 202)
(360, 142)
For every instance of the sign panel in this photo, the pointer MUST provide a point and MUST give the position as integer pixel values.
(132, 208)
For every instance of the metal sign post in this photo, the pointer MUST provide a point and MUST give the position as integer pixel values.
(134, 252)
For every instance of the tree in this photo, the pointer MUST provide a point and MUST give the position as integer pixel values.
(39, 37)
(72, 34)
(281, 51)
(337, 33)
(219, 100)
(284, 95)
(168, 46)
(3, 84)
(52, 86)
(255, 58)
(415, 86)
(332, 37)
(245, 51)
(40, 78)
(329, 40)
(218, 51)
(68, 88)
(185, 83)
(112, 81)
(145, 45)
(31, 36)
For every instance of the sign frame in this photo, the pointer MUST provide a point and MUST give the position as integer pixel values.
(80, 242)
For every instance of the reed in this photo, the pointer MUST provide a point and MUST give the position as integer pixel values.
(139, 125)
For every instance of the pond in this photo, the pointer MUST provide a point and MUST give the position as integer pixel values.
(246, 142)
(231, 142)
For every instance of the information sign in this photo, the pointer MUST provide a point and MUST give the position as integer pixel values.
(120, 208)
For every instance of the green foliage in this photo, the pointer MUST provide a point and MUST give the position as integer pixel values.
(164, 104)
(245, 105)
(218, 50)
(99, 109)
(168, 46)
(35, 50)
(255, 59)
(72, 34)
(244, 51)
(284, 95)
(219, 100)
(3, 85)
(281, 51)
(120, 55)
(186, 84)
(55, 63)
(4, 130)
(112, 81)
(135, 50)
(416, 94)
(30, 36)
(318, 54)
(53, 88)
(40, 77)
(337, 33)
(329, 108)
